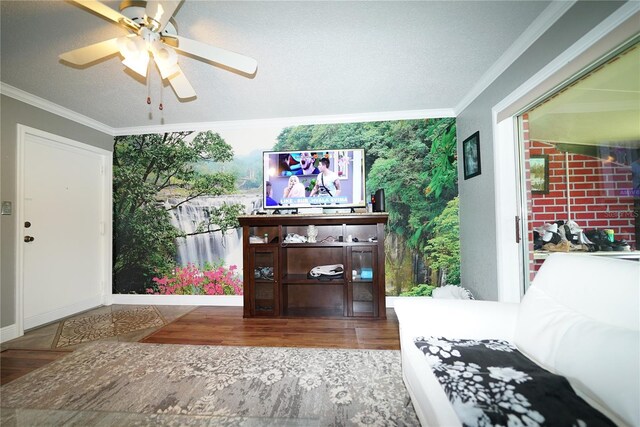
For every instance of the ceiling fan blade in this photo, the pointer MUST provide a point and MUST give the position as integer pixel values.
(181, 86)
(158, 13)
(91, 53)
(105, 11)
(215, 54)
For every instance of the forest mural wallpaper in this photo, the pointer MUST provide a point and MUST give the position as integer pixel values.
(177, 196)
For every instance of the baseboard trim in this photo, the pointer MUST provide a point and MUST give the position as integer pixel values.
(59, 313)
(212, 300)
(9, 333)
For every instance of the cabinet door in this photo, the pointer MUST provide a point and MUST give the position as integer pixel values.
(362, 292)
(264, 279)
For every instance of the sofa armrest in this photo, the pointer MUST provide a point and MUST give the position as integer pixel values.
(425, 316)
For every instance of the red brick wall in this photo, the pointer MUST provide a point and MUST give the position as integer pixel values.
(596, 191)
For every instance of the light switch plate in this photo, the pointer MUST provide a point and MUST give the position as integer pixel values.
(6, 208)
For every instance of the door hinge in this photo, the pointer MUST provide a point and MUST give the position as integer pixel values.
(517, 229)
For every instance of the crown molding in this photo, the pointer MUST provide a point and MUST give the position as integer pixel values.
(289, 121)
(53, 108)
(538, 27)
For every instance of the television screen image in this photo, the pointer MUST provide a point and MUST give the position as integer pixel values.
(314, 178)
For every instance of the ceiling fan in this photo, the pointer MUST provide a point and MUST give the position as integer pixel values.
(152, 33)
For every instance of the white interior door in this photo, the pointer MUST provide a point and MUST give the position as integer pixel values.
(62, 228)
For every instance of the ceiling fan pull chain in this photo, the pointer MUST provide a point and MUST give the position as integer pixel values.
(148, 78)
(161, 107)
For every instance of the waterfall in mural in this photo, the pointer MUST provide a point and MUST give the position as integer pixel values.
(212, 247)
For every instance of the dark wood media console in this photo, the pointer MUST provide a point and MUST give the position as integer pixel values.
(276, 281)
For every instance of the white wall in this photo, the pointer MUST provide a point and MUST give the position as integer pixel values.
(14, 112)
(477, 195)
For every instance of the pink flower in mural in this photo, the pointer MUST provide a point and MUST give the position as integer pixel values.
(190, 280)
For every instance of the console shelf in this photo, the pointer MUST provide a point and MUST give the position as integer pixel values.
(275, 273)
(302, 279)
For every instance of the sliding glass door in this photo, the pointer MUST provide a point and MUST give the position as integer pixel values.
(580, 153)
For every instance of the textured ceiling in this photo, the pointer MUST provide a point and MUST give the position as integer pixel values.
(314, 58)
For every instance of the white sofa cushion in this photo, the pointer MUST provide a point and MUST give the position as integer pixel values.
(578, 309)
(489, 382)
(419, 316)
(607, 373)
(425, 316)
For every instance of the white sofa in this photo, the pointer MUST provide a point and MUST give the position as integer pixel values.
(580, 319)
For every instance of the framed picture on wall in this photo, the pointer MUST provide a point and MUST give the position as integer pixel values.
(471, 156)
(539, 169)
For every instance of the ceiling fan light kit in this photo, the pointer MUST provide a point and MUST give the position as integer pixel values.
(166, 59)
(138, 65)
(152, 31)
(135, 53)
(131, 46)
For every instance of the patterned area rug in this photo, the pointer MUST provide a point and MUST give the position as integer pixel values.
(95, 327)
(149, 384)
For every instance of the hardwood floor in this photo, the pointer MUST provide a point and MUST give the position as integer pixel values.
(15, 363)
(225, 326)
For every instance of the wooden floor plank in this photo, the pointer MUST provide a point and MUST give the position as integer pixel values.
(15, 363)
(226, 326)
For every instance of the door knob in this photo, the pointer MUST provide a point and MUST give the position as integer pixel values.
(29, 239)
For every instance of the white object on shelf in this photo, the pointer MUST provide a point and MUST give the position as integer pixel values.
(312, 233)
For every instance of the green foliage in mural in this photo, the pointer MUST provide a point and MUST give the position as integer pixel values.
(413, 160)
(442, 158)
(443, 249)
(147, 169)
(421, 290)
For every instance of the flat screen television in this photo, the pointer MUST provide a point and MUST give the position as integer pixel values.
(314, 179)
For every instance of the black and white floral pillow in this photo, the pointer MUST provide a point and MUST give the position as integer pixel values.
(490, 383)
